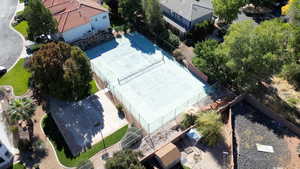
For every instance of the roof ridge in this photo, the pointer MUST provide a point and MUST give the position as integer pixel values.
(63, 27)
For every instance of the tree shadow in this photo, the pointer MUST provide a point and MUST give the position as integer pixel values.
(34, 153)
(79, 122)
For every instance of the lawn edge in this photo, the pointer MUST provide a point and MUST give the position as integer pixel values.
(23, 39)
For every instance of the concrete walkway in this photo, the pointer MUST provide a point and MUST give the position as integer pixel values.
(50, 160)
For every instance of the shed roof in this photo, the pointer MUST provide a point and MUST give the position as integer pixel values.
(168, 154)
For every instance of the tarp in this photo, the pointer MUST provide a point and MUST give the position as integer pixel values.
(194, 134)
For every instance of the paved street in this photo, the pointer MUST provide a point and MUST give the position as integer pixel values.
(10, 42)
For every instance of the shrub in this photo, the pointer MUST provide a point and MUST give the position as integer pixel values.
(189, 120)
(168, 40)
(209, 125)
(291, 73)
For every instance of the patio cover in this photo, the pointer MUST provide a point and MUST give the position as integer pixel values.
(168, 155)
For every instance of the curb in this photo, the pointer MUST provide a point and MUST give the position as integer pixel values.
(23, 39)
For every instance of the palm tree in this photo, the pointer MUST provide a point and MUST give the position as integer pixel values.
(21, 109)
(209, 125)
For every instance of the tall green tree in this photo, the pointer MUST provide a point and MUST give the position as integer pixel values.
(153, 16)
(125, 159)
(209, 124)
(208, 61)
(61, 70)
(248, 55)
(129, 9)
(40, 20)
(227, 10)
(21, 109)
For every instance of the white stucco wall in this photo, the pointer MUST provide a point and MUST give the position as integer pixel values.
(76, 33)
(100, 22)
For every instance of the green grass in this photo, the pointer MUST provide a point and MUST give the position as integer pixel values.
(185, 167)
(20, 12)
(19, 166)
(94, 88)
(22, 27)
(293, 101)
(17, 77)
(21, 1)
(62, 151)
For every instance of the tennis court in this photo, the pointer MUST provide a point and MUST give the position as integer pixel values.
(150, 84)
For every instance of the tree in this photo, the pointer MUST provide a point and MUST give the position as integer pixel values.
(124, 159)
(209, 125)
(294, 12)
(208, 61)
(21, 109)
(227, 10)
(40, 20)
(128, 9)
(61, 70)
(248, 55)
(153, 16)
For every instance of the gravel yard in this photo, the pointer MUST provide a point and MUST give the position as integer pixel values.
(253, 128)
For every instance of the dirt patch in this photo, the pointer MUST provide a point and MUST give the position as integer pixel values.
(292, 142)
(281, 98)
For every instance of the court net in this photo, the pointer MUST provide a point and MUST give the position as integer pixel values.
(125, 79)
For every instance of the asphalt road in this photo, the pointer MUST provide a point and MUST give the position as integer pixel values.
(11, 43)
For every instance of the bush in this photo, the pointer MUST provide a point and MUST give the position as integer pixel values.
(291, 73)
(189, 120)
(209, 125)
(168, 40)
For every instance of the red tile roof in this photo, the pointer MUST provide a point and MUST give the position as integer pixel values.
(73, 13)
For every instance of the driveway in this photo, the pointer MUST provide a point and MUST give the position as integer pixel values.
(11, 44)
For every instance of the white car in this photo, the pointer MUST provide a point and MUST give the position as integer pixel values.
(3, 70)
(6, 158)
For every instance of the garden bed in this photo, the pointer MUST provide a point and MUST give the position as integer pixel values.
(62, 151)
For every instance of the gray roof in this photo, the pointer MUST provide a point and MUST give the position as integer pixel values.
(189, 9)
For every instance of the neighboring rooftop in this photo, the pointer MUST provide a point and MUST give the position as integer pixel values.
(252, 127)
(189, 9)
(73, 13)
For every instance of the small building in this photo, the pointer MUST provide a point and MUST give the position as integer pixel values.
(168, 156)
(78, 18)
(184, 14)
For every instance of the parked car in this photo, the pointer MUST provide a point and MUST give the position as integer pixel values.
(3, 70)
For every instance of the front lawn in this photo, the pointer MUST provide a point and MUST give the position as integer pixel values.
(94, 88)
(22, 27)
(17, 77)
(62, 151)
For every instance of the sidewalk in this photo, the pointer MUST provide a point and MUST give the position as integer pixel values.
(50, 161)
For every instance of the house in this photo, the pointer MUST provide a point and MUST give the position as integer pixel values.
(184, 14)
(78, 18)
